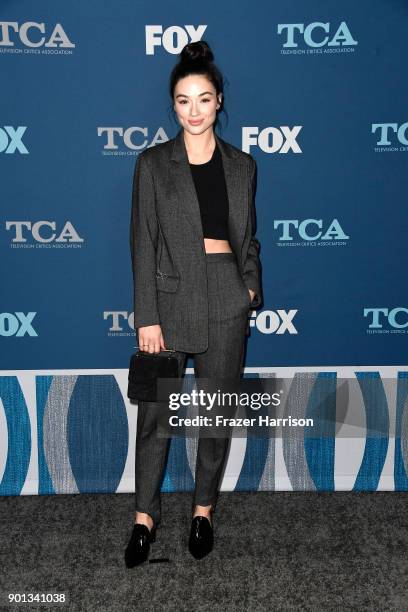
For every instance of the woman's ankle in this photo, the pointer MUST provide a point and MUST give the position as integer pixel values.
(144, 519)
(202, 510)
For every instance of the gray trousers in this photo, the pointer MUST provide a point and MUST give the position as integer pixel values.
(229, 303)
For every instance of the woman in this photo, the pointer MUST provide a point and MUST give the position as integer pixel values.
(196, 275)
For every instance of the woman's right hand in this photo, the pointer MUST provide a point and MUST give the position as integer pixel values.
(151, 339)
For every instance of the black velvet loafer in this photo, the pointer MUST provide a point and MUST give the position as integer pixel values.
(201, 539)
(137, 551)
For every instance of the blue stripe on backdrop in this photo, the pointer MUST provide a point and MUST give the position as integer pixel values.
(319, 447)
(43, 384)
(401, 434)
(377, 419)
(97, 434)
(18, 436)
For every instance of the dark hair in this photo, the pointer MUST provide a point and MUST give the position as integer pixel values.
(197, 58)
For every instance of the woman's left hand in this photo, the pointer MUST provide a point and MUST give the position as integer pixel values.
(252, 294)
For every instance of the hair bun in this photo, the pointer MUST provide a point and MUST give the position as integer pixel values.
(198, 51)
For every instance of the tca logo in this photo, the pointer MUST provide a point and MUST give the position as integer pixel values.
(11, 139)
(134, 137)
(381, 316)
(173, 39)
(30, 34)
(280, 139)
(117, 320)
(316, 34)
(305, 231)
(17, 324)
(385, 129)
(42, 231)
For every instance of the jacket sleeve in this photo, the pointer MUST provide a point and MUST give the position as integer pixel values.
(252, 267)
(143, 245)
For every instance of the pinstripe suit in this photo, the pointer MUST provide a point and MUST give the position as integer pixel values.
(201, 300)
(167, 244)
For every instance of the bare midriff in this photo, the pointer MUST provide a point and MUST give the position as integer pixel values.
(213, 245)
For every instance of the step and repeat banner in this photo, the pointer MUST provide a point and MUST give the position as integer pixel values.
(316, 92)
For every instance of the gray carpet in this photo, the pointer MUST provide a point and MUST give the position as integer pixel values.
(273, 551)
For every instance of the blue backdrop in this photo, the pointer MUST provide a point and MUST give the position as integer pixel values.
(316, 92)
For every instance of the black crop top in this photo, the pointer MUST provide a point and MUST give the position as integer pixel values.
(209, 181)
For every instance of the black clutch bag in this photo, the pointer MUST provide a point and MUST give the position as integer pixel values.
(145, 369)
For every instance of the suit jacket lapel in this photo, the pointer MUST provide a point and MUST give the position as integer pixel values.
(236, 179)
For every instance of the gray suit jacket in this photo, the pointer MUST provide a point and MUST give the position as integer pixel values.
(167, 243)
